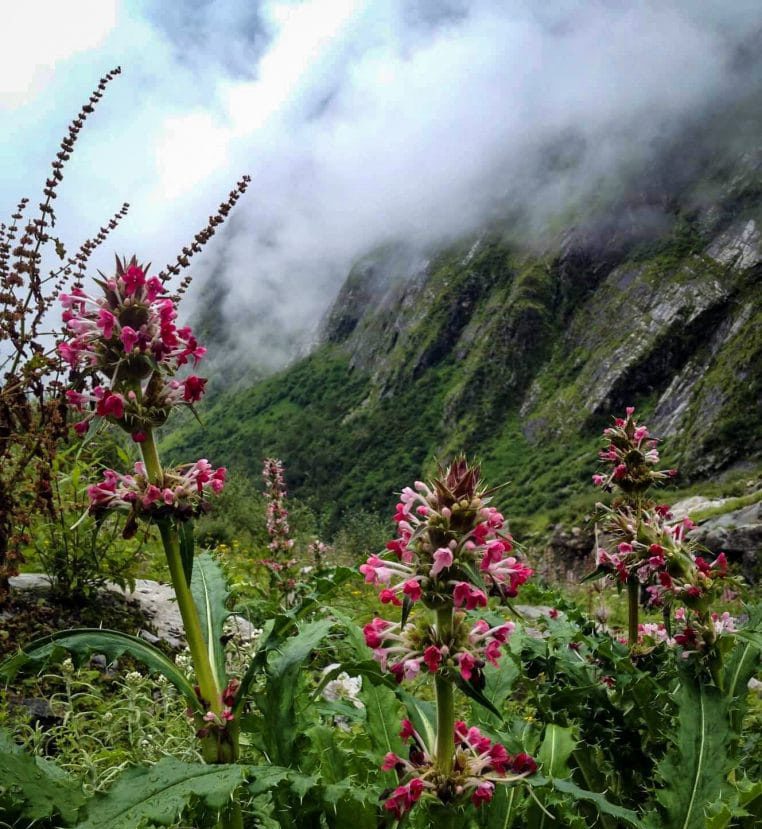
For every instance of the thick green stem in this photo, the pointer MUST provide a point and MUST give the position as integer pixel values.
(633, 597)
(210, 690)
(445, 702)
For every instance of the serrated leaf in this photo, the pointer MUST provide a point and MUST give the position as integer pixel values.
(160, 793)
(603, 805)
(694, 770)
(211, 595)
(265, 778)
(113, 643)
(40, 787)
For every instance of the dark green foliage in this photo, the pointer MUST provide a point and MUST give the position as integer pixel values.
(160, 793)
(35, 788)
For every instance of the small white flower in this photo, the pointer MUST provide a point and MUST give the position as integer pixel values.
(344, 687)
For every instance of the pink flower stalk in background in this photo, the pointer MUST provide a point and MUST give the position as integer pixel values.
(277, 514)
(645, 549)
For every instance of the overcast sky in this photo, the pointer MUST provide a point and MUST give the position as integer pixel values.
(360, 121)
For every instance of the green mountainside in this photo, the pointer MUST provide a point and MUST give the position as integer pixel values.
(519, 357)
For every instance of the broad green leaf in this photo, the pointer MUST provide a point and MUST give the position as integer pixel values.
(478, 696)
(113, 643)
(160, 793)
(555, 750)
(694, 770)
(383, 718)
(753, 636)
(277, 701)
(37, 785)
(501, 811)
(553, 754)
(499, 685)
(210, 595)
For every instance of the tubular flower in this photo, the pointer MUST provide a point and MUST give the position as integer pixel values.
(407, 652)
(181, 493)
(478, 765)
(128, 335)
(446, 533)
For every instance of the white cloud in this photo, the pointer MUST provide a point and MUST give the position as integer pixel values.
(38, 35)
(359, 120)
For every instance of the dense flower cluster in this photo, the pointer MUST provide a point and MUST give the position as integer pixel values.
(631, 455)
(648, 550)
(180, 494)
(406, 652)
(646, 546)
(129, 335)
(695, 632)
(450, 546)
(659, 554)
(478, 764)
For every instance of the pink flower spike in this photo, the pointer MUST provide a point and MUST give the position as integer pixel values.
(471, 597)
(106, 322)
(193, 389)
(391, 761)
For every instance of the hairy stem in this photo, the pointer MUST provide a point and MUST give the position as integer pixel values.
(445, 702)
(191, 622)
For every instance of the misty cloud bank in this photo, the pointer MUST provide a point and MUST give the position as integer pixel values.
(368, 122)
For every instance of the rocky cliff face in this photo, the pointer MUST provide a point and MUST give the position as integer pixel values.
(563, 338)
(520, 354)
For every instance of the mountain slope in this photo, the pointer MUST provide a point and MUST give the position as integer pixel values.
(520, 354)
